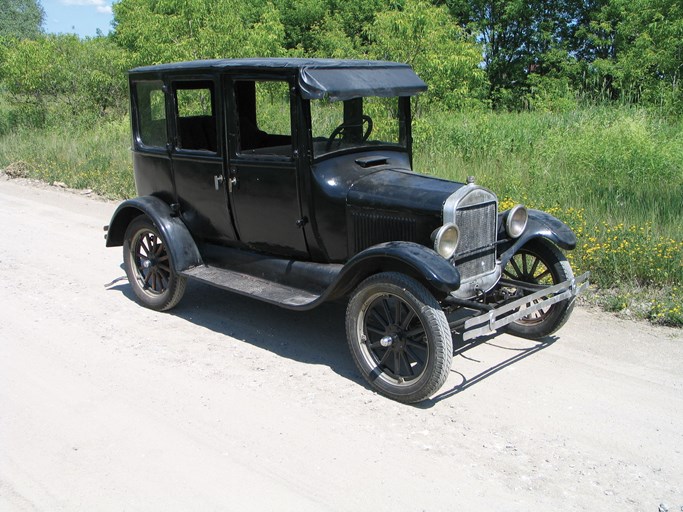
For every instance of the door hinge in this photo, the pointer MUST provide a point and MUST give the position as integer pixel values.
(302, 222)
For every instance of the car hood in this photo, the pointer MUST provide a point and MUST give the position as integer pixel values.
(400, 190)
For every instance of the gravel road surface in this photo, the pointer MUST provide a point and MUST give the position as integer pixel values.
(227, 403)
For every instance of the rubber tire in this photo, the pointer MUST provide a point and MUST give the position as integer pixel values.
(558, 314)
(433, 319)
(172, 294)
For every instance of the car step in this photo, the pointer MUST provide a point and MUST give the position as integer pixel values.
(251, 286)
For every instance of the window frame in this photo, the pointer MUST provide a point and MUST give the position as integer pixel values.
(138, 143)
(235, 140)
(216, 105)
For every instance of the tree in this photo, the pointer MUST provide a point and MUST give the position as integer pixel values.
(22, 19)
(516, 36)
(649, 65)
(426, 37)
(631, 51)
(175, 30)
(66, 75)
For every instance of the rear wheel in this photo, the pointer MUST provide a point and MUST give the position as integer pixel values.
(540, 263)
(399, 337)
(149, 266)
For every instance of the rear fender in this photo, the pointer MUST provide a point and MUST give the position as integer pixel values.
(182, 246)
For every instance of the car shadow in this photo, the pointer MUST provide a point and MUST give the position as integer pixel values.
(461, 348)
(312, 337)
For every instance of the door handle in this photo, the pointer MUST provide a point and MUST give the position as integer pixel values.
(233, 183)
(218, 181)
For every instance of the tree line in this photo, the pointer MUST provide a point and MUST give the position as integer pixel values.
(500, 54)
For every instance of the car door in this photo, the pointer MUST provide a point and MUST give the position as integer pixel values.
(263, 177)
(198, 157)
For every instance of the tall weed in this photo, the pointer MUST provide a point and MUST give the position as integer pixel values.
(81, 156)
(614, 175)
(619, 165)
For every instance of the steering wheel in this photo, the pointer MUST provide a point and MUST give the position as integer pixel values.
(339, 130)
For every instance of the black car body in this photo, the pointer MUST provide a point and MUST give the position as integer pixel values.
(291, 181)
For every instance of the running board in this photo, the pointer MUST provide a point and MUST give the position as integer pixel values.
(488, 322)
(251, 286)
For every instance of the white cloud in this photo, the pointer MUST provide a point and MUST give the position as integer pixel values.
(100, 5)
(83, 2)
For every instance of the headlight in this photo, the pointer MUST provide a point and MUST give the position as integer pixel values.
(516, 221)
(446, 240)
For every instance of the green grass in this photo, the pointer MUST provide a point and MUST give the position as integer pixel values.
(615, 175)
(619, 165)
(95, 157)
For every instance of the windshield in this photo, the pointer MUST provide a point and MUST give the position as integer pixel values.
(356, 124)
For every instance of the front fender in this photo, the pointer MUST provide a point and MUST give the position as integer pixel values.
(539, 225)
(182, 246)
(409, 258)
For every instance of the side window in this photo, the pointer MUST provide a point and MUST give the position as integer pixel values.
(196, 116)
(151, 110)
(264, 117)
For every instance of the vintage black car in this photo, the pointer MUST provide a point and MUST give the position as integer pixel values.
(290, 181)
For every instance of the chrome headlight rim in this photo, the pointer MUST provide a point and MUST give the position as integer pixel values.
(516, 221)
(446, 240)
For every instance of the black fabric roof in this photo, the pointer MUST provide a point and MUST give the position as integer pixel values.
(318, 78)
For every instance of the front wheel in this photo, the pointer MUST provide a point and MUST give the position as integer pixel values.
(399, 337)
(540, 263)
(149, 266)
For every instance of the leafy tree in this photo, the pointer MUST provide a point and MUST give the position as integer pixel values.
(22, 19)
(425, 37)
(517, 35)
(355, 15)
(631, 51)
(326, 27)
(649, 64)
(102, 85)
(329, 38)
(56, 72)
(176, 30)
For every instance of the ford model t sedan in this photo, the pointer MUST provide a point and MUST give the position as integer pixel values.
(291, 181)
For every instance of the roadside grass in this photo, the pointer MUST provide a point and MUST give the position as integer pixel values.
(615, 175)
(637, 271)
(95, 157)
(621, 165)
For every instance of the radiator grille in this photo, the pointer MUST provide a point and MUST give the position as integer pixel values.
(476, 252)
(372, 228)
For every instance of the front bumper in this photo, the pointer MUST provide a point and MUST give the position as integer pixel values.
(489, 321)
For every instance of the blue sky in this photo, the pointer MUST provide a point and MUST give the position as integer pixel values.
(82, 17)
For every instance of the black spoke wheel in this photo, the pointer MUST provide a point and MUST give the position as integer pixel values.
(149, 266)
(539, 263)
(399, 337)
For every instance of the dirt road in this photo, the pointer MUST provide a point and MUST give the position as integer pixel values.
(230, 404)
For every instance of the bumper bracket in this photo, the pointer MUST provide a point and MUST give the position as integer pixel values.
(490, 321)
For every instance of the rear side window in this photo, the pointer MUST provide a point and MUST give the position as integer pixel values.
(196, 116)
(151, 111)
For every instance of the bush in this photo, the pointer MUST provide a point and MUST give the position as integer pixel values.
(60, 75)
